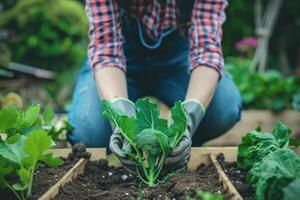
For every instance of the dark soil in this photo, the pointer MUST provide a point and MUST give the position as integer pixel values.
(237, 177)
(45, 177)
(101, 181)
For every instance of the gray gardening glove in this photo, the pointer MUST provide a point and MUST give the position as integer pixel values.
(118, 145)
(178, 158)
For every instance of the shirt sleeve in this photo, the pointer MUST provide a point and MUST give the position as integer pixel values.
(105, 36)
(205, 34)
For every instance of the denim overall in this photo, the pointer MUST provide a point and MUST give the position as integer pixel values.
(158, 68)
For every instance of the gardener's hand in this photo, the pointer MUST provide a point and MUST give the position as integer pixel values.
(179, 157)
(118, 145)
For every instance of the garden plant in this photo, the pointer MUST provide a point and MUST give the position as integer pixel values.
(149, 135)
(24, 145)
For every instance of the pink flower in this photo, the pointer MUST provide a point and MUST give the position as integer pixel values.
(246, 43)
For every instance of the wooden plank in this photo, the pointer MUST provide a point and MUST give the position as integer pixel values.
(76, 170)
(96, 153)
(201, 155)
(254, 118)
(227, 184)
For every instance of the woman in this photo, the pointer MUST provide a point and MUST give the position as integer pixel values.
(170, 49)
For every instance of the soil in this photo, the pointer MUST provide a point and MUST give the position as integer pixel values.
(101, 181)
(45, 177)
(237, 177)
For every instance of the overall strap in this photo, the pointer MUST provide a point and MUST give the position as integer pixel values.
(184, 10)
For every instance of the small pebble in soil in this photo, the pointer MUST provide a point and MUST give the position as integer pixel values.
(126, 193)
(103, 176)
(124, 177)
(110, 173)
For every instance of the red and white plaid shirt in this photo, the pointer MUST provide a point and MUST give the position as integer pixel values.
(157, 16)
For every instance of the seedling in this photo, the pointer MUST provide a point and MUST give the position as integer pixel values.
(23, 148)
(149, 135)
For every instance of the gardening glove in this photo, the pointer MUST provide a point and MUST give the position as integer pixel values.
(179, 157)
(118, 145)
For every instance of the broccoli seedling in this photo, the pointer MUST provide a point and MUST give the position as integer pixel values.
(149, 135)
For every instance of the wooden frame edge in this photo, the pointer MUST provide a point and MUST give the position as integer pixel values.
(72, 173)
(227, 184)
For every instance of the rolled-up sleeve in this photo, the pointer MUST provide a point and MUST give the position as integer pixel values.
(205, 34)
(105, 35)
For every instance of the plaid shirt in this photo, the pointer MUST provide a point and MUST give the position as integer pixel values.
(106, 39)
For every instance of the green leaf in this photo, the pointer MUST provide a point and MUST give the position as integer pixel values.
(36, 144)
(48, 115)
(5, 169)
(276, 170)
(24, 175)
(254, 146)
(164, 141)
(127, 125)
(148, 116)
(31, 115)
(13, 139)
(13, 152)
(292, 191)
(8, 117)
(52, 161)
(282, 134)
(209, 195)
(179, 124)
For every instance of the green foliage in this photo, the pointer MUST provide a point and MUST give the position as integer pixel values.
(291, 191)
(273, 167)
(14, 121)
(24, 146)
(240, 24)
(206, 196)
(149, 135)
(267, 90)
(22, 158)
(273, 173)
(256, 145)
(46, 33)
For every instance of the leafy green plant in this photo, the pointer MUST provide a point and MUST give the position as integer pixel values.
(14, 121)
(23, 147)
(149, 135)
(256, 145)
(273, 167)
(267, 90)
(206, 196)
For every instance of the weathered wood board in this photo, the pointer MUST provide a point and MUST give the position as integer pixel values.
(253, 118)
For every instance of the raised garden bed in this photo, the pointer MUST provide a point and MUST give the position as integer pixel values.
(250, 119)
(101, 180)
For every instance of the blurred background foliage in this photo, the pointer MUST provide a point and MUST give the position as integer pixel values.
(48, 34)
(52, 34)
